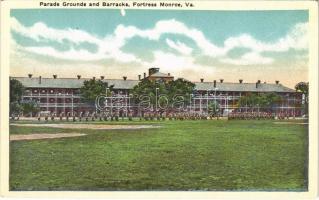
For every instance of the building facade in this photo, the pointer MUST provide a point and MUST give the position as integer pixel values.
(62, 95)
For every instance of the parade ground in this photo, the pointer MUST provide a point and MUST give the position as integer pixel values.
(215, 155)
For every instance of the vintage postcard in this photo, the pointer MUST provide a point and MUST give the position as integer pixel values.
(179, 99)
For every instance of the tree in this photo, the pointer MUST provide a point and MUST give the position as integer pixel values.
(15, 108)
(249, 100)
(16, 92)
(92, 88)
(179, 87)
(303, 87)
(29, 107)
(262, 100)
(213, 108)
(148, 88)
(271, 100)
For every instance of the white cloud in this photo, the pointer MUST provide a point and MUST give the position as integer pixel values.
(251, 58)
(173, 63)
(82, 55)
(179, 46)
(40, 31)
(296, 38)
(123, 12)
(110, 46)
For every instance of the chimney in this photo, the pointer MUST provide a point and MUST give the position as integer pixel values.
(139, 77)
(40, 79)
(152, 70)
(221, 80)
(79, 76)
(258, 81)
(124, 78)
(215, 83)
(55, 76)
(144, 75)
(30, 75)
(102, 77)
(277, 82)
(201, 80)
(93, 77)
(169, 74)
(240, 80)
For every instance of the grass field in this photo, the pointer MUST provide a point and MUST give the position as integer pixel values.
(181, 155)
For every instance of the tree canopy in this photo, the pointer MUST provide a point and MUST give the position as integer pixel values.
(264, 100)
(168, 92)
(302, 87)
(92, 88)
(213, 108)
(16, 90)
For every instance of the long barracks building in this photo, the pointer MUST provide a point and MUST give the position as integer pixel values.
(57, 95)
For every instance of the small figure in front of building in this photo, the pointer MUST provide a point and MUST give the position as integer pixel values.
(151, 116)
(80, 116)
(117, 116)
(130, 116)
(170, 116)
(93, 116)
(145, 116)
(39, 117)
(46, 117)
(67, 116)
(105, 116)
(52, 116)
(87, 116)
(164, 116)
(158, 116)
(73, 116)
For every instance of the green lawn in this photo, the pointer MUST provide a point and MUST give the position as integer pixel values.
(181, 155)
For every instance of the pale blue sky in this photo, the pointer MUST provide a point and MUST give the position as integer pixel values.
(183, 42)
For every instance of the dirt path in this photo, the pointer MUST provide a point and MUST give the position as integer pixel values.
(39, 136)
(89, 126)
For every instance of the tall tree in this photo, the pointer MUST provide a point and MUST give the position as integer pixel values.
(92, 88)
(303, 87)
(264, 100)
(213, 108)
(179, 87)
(147, 88)
(29, 107)
(16, 92)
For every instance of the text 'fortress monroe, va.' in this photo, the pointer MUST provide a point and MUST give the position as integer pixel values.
(118, 4)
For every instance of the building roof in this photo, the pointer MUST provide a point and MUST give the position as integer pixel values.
(71, 82)
(129, 84)
(160, 74)
(242, 87)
